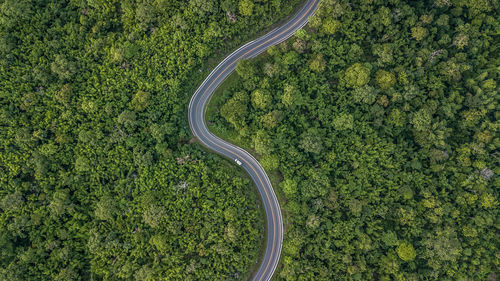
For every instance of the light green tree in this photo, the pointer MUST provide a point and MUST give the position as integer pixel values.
(357, 75)
(140, 101)
(246, 7)
(262, 142)
(270, 162)
(62, 67)
(289, 187)
(261, 99)
(366, 94)
(343, 121)
(235, 109)
(418, 33)
(406, 251)
(385, 79)
(291, 96)
(311, 142)
(330, 26)
(318, 64)
(271, 119)
(421, 120)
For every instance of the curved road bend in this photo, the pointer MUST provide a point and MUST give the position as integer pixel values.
(196, 112)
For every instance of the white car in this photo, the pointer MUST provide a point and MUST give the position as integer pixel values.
(237, 162)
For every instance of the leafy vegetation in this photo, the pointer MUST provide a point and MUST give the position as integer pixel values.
(381, 118)
(98, 177)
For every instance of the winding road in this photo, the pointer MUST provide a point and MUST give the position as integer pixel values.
(196, 113)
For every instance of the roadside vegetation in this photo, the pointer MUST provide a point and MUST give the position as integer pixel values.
(382, 119)
(99, 179)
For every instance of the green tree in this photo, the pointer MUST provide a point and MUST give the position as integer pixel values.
(246, 7)
(421, 120)
(290, 96)
(396, 118)
(105, 209)
(245, 69)
(344, 121)
(330, 26)
(357, 75)
(290, 58)
(128, 119)
(271, 119)
(270, 162)
(235, 109)
(366, 94)
(145, 14)
(461, 40)
(418, 33)
(289, 187)
(262, 142)
(406, 251)
(62, 67)
(82, 164)
(160, 243)
(60, 203)
(318, 64)
(442, 246)
(154, 215)
(203, 8)
(261, 99)
(140, 101)
(311, 142)
(385, 79)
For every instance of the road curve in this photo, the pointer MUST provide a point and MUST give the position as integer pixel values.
(196, 113)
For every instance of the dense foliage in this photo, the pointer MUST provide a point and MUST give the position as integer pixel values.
(98, 178)
(381, 118)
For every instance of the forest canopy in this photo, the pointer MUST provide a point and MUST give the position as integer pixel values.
(98, 177)
(379, 123)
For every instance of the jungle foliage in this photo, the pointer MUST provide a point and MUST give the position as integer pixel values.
(98, 177)
(381, 119)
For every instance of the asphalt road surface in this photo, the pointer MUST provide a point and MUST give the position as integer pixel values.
(239, 156)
